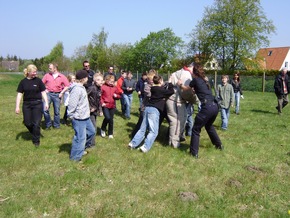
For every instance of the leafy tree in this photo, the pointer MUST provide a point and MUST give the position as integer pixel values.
(232, 31)
(156, 50)
(39, 63)
(80, 54)
(97, 51)
(55, 56)
(120, 55)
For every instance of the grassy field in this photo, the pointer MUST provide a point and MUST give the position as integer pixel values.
(250, 178)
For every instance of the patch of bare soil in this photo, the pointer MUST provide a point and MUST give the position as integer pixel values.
(188, 196)
(234, 183)
(254, 169)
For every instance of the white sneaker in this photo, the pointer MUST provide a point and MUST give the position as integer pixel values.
(111, 136)
(130, 145)
(143, 149)
(103, 133)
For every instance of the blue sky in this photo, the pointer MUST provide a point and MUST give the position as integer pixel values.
(31, 28)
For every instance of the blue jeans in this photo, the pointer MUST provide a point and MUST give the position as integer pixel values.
(237, 100)
(140, 102)
(225, 115)
(189, 119)
(54, 98)
(150, 121)
(84, 132)
(128, 98)
(123, 104)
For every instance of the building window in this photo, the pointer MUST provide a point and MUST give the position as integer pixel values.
(270, 53)
(286, 64)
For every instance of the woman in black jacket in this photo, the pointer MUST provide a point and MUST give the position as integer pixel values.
(208, 112)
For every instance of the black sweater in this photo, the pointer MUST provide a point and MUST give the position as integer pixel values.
(159, 96)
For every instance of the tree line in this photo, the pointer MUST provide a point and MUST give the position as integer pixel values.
(231, 31)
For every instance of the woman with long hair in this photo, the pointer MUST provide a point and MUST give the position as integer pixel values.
(236, 83)
(208, 112)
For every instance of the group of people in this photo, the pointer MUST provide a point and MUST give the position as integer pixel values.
(89, 94)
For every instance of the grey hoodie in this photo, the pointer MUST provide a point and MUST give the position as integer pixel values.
(78, 104)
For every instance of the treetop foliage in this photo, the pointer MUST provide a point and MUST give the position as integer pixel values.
(231, 31)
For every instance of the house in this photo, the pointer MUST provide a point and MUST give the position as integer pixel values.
(210, 64)
(10, 65)
(274, 58)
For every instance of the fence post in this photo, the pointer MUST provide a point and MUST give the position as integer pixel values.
(215, 78)
(263, 82)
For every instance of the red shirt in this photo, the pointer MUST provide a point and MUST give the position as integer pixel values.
(108, 95)
(55, 85)
(119, 84)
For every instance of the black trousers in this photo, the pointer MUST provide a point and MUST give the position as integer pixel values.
(108, 119)
(32, 114)
(205, 118)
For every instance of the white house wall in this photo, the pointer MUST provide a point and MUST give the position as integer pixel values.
(287, 59)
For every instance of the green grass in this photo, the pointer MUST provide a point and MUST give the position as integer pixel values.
(250, 178)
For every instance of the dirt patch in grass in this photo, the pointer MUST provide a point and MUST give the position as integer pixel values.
(234, 183)
(188, 196)
(254, 169)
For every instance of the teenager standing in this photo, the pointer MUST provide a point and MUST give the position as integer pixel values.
(79, 113)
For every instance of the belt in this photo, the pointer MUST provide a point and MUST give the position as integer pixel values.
(205, 101)
(55, 92)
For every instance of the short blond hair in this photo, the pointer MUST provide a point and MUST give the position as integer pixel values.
(30, 68)
(98, 74)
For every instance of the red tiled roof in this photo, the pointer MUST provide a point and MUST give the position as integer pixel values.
(274, 57)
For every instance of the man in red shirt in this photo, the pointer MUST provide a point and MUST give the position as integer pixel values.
(119, 87)
(56, 84)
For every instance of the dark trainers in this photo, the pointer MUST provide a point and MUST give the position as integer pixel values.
(278, 110)
(36, 144)
(194, 155)
(220, 147)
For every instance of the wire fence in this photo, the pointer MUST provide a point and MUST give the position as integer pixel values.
(248, 83)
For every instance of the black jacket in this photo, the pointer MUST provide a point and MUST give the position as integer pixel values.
(94, 97)
(278, 84)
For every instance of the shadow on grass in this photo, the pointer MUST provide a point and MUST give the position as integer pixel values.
(65, 148)
(263, 111)
(184, 147)
(24, 135)
(42, 125)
